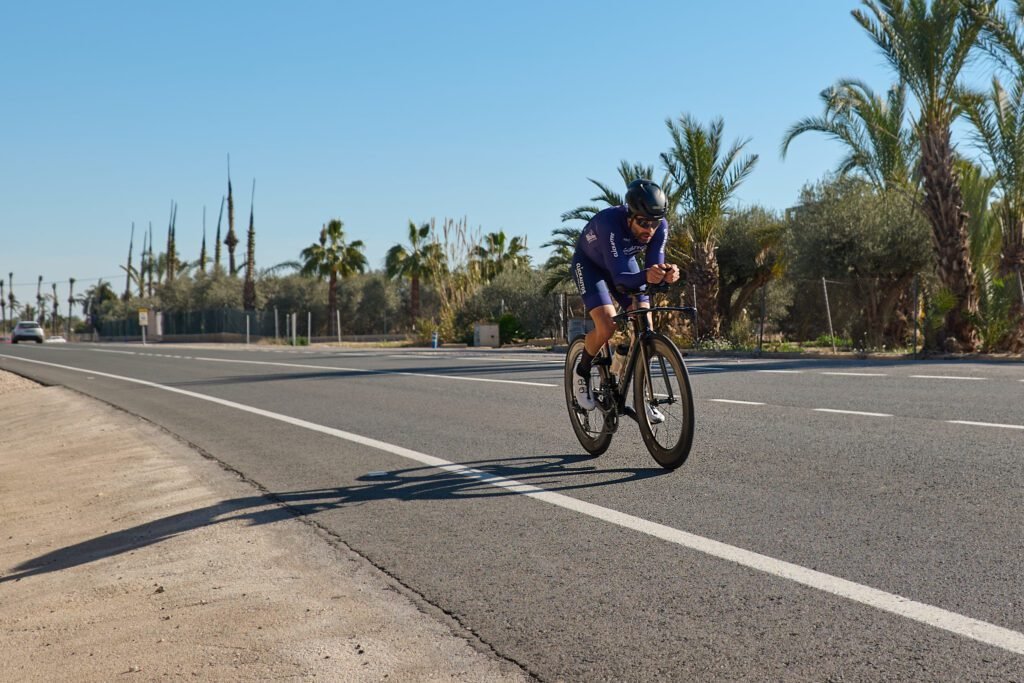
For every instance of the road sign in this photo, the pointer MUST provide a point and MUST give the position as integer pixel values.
(143, 317)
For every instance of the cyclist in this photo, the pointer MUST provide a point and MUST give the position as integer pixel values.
(605, 260)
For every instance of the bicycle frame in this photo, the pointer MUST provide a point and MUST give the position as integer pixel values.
(642, 332)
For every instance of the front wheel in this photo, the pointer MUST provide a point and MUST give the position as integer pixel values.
(664, 403)
(588, 425)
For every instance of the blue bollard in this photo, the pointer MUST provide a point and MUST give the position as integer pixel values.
(435, 339)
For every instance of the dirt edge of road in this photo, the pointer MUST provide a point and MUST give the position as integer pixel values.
(126, 551)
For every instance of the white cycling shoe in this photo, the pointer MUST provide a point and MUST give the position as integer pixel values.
(582, 389)
(654, 416)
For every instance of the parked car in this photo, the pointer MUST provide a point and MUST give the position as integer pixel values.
(27, 330)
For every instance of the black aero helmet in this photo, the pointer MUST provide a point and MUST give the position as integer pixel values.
(645, 199)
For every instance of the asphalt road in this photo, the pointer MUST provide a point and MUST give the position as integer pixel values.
(884, 542)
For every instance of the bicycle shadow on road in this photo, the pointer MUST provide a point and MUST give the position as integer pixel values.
(481, 478)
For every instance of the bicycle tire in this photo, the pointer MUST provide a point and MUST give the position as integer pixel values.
(670, 441)
(588, 426)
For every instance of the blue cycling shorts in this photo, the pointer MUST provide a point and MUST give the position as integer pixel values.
(596, 286)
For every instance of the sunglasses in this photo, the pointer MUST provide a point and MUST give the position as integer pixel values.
(647, 223)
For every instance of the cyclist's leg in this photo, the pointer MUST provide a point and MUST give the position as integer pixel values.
(592, 284)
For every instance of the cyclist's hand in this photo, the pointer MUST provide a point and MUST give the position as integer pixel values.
(659, 273)
(672, 273)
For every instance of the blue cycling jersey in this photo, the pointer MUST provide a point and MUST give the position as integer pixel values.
(606, 255)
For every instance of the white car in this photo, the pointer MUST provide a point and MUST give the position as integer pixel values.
(27, 330)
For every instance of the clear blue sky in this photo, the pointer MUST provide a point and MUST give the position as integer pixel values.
(381, 112)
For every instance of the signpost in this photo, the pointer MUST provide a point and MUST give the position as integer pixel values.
(143, 323)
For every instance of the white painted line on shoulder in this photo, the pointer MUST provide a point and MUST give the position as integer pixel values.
(850, 412)
(857, 374)
(984, 424)
(128, 353)
(783, 372)
(976, 379)
(742, 403)
(967, 627)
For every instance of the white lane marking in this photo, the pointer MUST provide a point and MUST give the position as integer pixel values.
(857, 374)
(744, 403)
(850, 412)
(330, 368)
(127, 353)
(977, 379)
(961, 625)
(984, 424)
(336, 369)
(783, 372)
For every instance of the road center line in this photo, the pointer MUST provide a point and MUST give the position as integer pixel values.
(783, 372)
(984, 424)
(850, 412)
(975, 379)
(744, 403)
(857, 374)
(968, 627)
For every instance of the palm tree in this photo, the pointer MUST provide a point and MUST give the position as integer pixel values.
(559, 263)
(421, 258)
(998, 121)
(499, 253)
(927, 45)
(39, 301)
(707, 180)
(332, 258)
(872, 129)
(71, 302)
(11, 301)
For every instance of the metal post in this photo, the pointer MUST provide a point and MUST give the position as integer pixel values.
(760, 335)
(246, 329)
(828, 311)
(915, 315)
(337, 315)
(696, 331)
(295, 323)
(275, 324)
(309, 327)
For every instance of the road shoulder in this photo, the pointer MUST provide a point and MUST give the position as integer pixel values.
(124, 551)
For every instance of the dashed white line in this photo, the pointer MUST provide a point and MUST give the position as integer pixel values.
(959, 624)
(850, 412)
(976, 379)
(857, 374)
(783, 372)
(743, 403)
(984, 424)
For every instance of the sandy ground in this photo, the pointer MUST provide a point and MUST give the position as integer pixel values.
(127, 555)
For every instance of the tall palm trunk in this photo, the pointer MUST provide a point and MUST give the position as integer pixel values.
(414, 299)
(702, 273)
(1011, 265)
(943, 205)
(332, 300)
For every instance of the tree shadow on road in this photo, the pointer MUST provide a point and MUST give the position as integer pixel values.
(457, 481)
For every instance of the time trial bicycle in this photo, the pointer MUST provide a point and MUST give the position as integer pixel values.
(662, 402)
